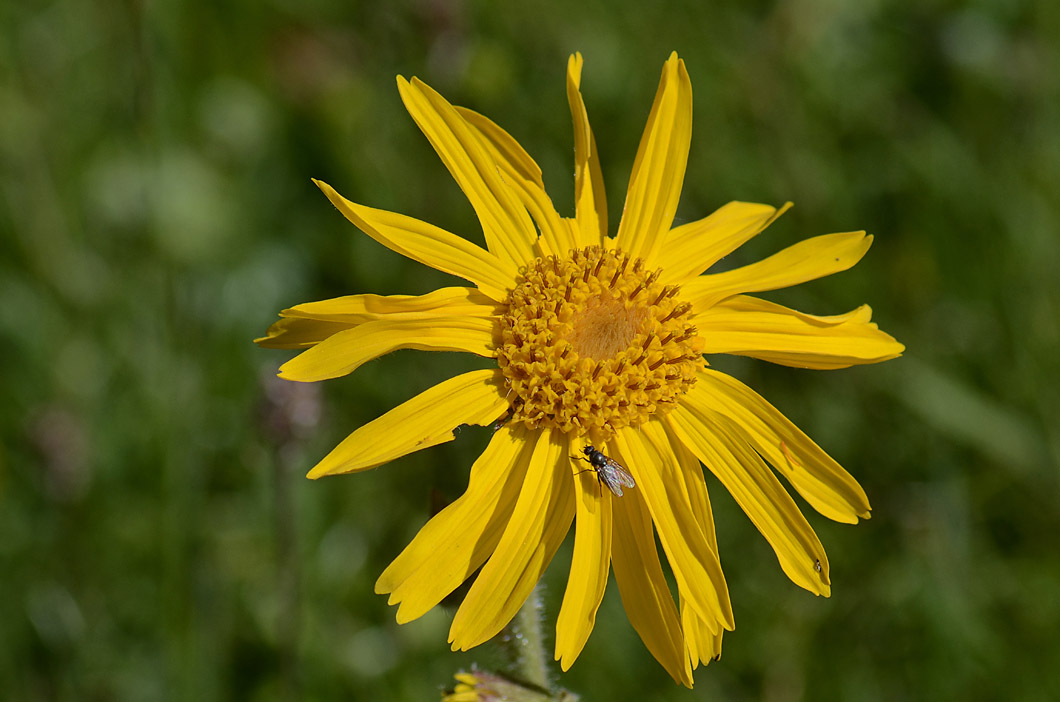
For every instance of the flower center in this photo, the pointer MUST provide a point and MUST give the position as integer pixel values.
(593, 343)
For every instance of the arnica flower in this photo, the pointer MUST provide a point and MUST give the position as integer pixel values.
(479, 686)
(595, 340)
(469, 688)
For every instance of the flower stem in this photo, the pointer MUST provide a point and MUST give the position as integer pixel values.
(523, 641)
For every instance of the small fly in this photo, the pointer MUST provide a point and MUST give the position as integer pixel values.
(608, 471)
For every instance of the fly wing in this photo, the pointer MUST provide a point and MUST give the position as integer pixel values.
(615, 477)
(611, 482)
(622, 474)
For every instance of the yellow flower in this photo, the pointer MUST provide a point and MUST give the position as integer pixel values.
(469, 688)
(598, 341)
(480, 686)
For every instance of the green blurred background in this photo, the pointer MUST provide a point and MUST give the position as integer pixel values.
(157, 539)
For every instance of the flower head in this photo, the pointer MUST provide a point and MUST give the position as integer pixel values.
(470, 687)
(597, 340)
(480, 686)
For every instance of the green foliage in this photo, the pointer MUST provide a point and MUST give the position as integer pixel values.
(157, 540)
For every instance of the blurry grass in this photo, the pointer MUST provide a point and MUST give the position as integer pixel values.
(156, 212)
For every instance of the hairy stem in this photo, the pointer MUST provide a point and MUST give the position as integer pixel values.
(523, 641)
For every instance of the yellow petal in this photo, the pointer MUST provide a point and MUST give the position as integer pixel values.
(695, 486)
(647, 456)
(589, 197)
(749, 326)
(523, 176)
(310, 323)
(589, 566)
(813, 473)
(540, 520)
(807, 260)
(458, 540)
(466, 678)
(424, 421)
(659, 169)
(513, 157)
(692, 248)
(755, 488)
(295, 333)
(642, 585)
(577, 234)
(429, 245)
(358, 309)
(702, 645)
(510, 234)
(345, 351)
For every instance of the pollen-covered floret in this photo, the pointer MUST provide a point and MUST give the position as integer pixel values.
(593, 343)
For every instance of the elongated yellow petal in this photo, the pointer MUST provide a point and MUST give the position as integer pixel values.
(578, 235)
(589, 566)
(358, 309)
(695, 486)
(749, 326)
(647, 456)
(807, 260)
(659, 169)
(539, 521)
(347, 350)
(523, 176)
(458, 540)
(702, 645)
(757, 491)
(692, 248)
(510, 234)
(310, 323)
(590, 200)
(816, 476)
(749, 304)
(295, 333)
(642, 585)
(513, 157)
(424, 421)
(429, 245)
